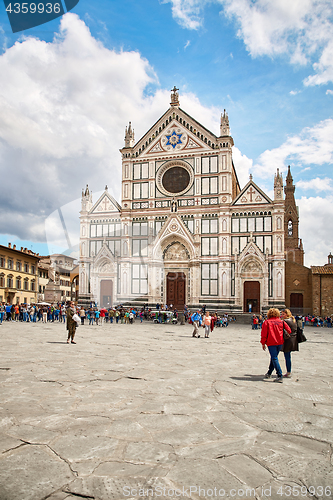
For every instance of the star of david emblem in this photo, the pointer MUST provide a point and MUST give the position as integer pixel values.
(173, 139)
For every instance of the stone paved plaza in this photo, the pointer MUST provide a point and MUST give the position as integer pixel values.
(143, 410)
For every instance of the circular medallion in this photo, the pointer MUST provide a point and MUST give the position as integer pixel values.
(224, 199)
(174, 177)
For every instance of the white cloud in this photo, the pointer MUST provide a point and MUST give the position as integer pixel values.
(243, 166)
(301, 29)
(316, 228)
(187, 44)
(329, 92)
(64, 106)
(188, 13)
(313, 146)
(316, 184)
(294, 92)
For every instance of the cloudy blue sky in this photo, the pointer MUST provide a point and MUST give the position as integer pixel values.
(68, 89)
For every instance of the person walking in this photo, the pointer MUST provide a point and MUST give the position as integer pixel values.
(82, 315)
(207, 323)
(71, 324)
(44, 314)
(2, 311)
(291, 343)
(196, 320)
(272, 337)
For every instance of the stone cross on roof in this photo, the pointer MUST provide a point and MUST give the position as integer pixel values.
(174, 97)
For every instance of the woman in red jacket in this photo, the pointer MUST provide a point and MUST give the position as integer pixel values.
(272, 336)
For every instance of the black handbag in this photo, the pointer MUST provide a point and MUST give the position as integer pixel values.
(300, 335)
(286, 335)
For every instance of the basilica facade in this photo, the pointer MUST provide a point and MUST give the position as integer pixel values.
(185, 232)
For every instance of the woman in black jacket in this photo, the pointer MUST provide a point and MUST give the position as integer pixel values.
(291, 343)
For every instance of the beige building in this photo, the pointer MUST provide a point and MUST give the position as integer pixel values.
(18, 275)
(185, 232)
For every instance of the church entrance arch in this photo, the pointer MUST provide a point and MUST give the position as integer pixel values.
(176, 286)
(106, 293)
(251, 302)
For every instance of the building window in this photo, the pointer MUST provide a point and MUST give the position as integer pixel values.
(290, 227)
(140, 190)
(18, 265)
(139, 248)
(32, 269)
(2, 261)
(209, 185)
(139, 228)
(10, 264)
(268, 244)
(10, 281)
(238, 243)
(189, 223)
(33, 286)
(140, 171)
(209, 165)
(18, 283)
(95, 247)
(209, 226)
(209, 246)
(235, 226)
(209, 279)
(114, 246)
(26, 267)
(26, 284)
(104, 230)
(158, 226)
(140, 279)
(2, 281)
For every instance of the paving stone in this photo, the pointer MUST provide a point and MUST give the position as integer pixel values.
(31, 473)
(150, 407)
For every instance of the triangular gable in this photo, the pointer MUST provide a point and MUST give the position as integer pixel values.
(175, 227)
(251, 194)
(104, 254)
(105, 204)
(173, 139)
(251, 250)
(197, 136)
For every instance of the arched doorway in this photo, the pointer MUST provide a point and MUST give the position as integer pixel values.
(176, 286)
(251, 302)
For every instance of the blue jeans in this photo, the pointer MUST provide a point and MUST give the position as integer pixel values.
(287, 357)
(274, 364)
(1, 317)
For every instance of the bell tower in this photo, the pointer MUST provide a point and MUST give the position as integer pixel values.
(293, 245)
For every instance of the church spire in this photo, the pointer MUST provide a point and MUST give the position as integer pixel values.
(129, 136)
(293, 246)
(278, 185)
(224, 125)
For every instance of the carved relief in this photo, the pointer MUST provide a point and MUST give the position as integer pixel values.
(176, 251)
(252, 269)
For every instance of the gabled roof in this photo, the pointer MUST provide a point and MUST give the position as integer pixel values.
(251, 194)
(105, 204)
(251, 250)
(200, 136)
